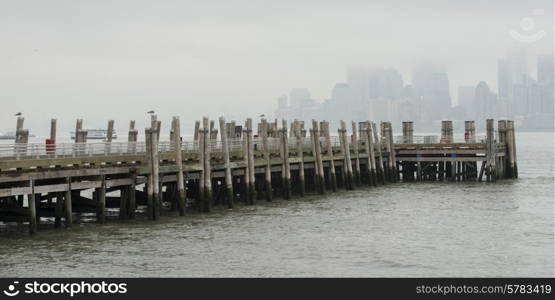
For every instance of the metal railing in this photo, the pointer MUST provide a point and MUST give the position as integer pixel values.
(434, 139)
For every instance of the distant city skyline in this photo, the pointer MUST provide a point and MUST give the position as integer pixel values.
(380, 93)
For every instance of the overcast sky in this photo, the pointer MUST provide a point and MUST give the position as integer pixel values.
(117, 59)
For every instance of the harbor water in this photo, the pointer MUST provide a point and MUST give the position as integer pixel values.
(404, 229)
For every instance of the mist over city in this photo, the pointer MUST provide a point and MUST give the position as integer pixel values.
(394, 60)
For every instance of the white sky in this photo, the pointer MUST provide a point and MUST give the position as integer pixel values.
(117, 59)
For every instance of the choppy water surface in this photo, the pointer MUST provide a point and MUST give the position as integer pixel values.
(406, 229)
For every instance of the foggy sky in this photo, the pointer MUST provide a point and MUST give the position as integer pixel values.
(101, 60)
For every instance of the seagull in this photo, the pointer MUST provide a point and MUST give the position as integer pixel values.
(18, 114)
(150, 112)
(261, 116)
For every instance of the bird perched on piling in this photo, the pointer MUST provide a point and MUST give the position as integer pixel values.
(150, 112)
(18, 114)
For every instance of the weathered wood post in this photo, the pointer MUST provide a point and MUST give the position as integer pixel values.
(110, 131)
(252, 190)
(31, 202)
(491, 151)
(385, 143)
(21, 137)
(391, 149)
(156, 203)
(325, 126)
(228, 177)
(285, 165)
(300, 157)
(469, 132)
(68, 204)
(132, 204)
(246, 177)
(354, 139)
(179, 163)
(101, 198)
(58, 208)
(196, 133)
(109, 136)
(150, 182)
(512, 169)
(502, 161)
(446, 132)
(201, 182)
(53, 129)
(132, 137)
(347, 163)
(318, 163)
(207, 165)
(267, 160)
(369, 144)
(379, 146)
(408, 131)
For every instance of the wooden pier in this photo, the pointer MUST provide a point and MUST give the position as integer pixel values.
(229, 164)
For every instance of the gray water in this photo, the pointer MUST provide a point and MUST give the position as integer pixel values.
(406, 229)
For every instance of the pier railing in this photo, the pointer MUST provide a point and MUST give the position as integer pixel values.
(21, 151)
(25, 151)
(435, 139)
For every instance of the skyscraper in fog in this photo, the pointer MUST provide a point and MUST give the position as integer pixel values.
(546, 82)
(484, 102)
(431, 85)
(465, 97)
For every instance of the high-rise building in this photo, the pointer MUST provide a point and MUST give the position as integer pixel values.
(484, 102)
(546, 83)
(431, 86)
(466, 97)
(298, 95)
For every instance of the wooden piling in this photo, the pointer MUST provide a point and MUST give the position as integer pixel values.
(512, 169)
(379, 147)
(318, 163)
(228, 177)
(300, 157)
(58, 208)
(68, 204)
(156, 202)
(267, 160)
(286, 167)
(491, 153)
(354, 139)
(176, 125)
(329, 153)
(408, 131)
(502, 161)
(369, 144)
(132, 204)
(446, 132)
(347, 163)
(101, 198)
(469, 132)
(252, 190)
(53, 129)
(31, 202)
(391, 149)
(150, 182)
(196, 133)
(110, 131)
(207, 165)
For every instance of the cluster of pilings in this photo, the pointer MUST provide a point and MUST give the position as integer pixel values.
(452, 161)
(231, 164)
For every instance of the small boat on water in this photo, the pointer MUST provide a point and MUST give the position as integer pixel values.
(96, 134)
(10, 135)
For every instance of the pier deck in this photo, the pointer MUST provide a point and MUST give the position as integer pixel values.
(51, 180)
